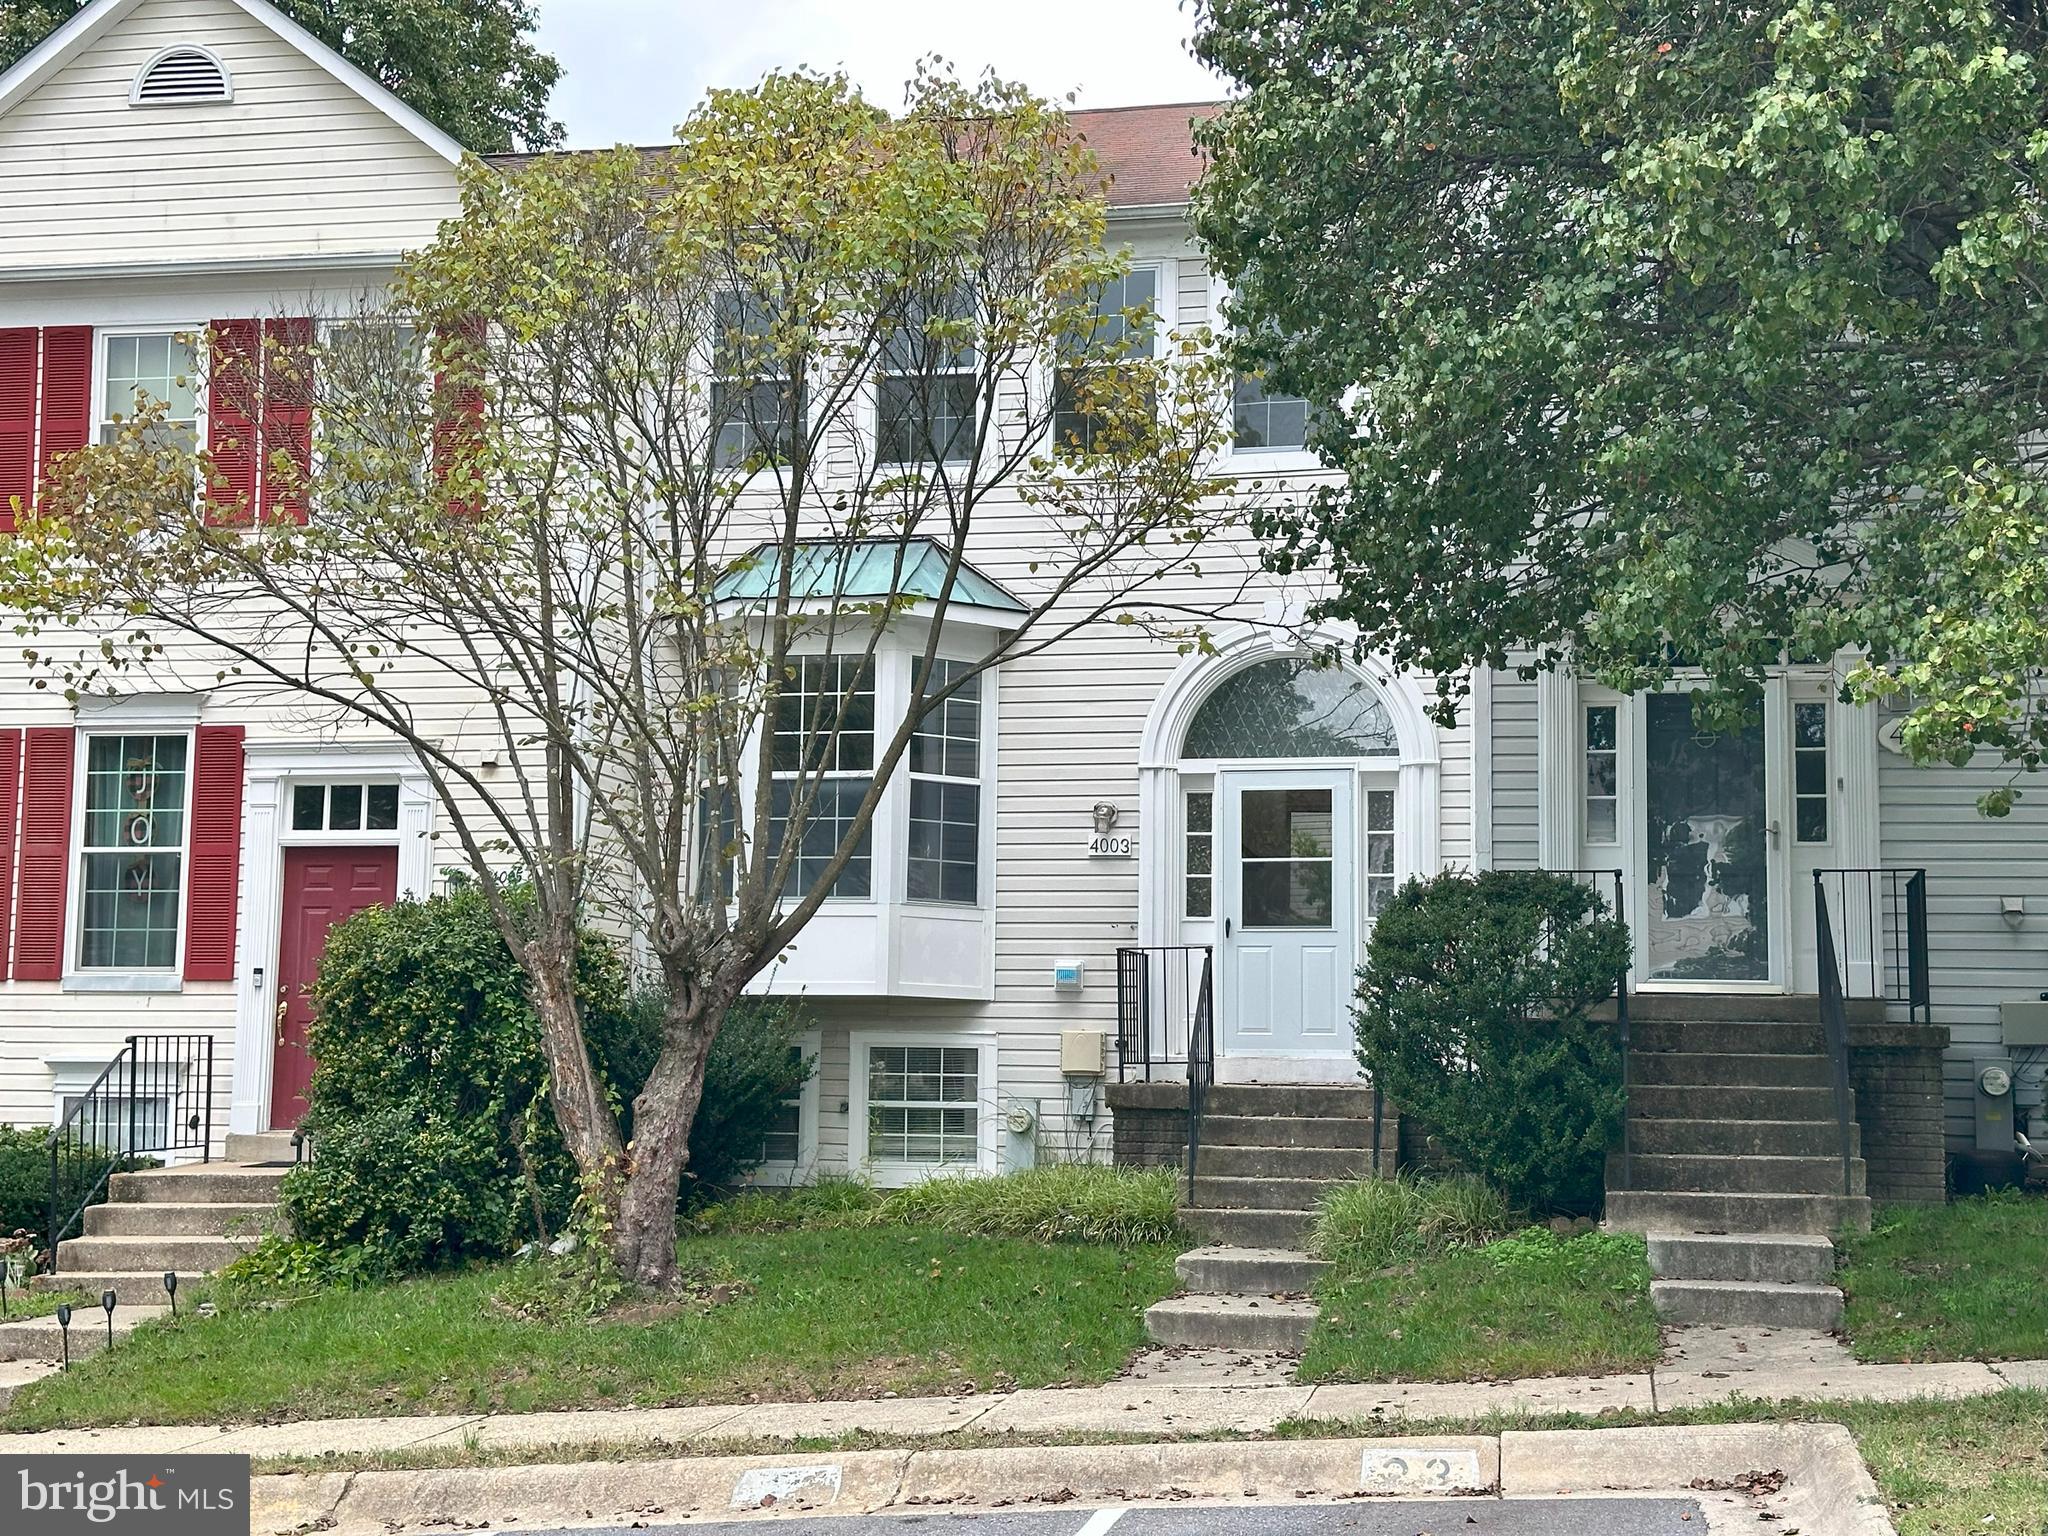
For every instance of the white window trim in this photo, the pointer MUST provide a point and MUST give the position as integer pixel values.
(101, 373)
(1830, 752)
(988, 1117)
(1165, 285)
(964, 443)
(984, 866)
(77, 976)
(775, 1172)
(344, 837)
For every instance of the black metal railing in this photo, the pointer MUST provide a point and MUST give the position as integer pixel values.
(154, 1098)
(1598, 880)
(1877, 952)
(1879, 932)
(1159, 989)
(1201, 1066)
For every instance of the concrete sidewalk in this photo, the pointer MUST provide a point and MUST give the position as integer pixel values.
(1128, 1407)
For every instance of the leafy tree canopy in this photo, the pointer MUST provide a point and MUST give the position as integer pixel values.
(1658, 332)
(468, 66)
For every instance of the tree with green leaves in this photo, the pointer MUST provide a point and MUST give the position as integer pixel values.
(468, 66)
(1648, 335)
(652, 461)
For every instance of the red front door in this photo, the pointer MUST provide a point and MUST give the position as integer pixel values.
(322, 886)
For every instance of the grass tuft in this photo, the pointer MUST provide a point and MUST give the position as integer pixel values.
(1378, 1222)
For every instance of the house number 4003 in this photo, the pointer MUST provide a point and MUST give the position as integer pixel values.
(1111, 845)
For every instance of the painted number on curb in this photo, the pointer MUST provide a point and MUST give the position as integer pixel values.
(758, 1485)
(1418, 1471)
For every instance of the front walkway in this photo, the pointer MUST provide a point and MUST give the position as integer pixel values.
(1162, 1407)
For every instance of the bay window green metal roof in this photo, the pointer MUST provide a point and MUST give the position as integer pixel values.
(861, 570)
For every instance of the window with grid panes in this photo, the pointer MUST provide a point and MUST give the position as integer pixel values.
(824, 746)
(1124, 323)
(756, 409)
(1199, 854)
(132, 852)
(925, 390)
(1379, 850)
(1261, 422)
(923, 1104)
(945, 793)
(1603, 774)
(1810, 772)
(784, 1141)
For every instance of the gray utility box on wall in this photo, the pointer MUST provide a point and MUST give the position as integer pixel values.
(2024, 1020)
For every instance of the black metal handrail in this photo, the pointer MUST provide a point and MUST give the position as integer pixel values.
(1158, 992)
(1834, 1022)
(155, 1096)
(1201, 1066)
(1881, 951)
(1621, 1029)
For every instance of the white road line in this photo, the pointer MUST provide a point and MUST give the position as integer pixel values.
(1101, 1521)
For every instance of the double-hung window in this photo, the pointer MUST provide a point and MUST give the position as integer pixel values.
(146, 369)
(825, 747)
(1122, 323)
(923, 1104)
(945, 793)
(756, 407)
(1266, 423)
(132, 851)
(925, 388)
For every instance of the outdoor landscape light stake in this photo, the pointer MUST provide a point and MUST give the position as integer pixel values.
(107, 1300)
(64, 1324)
(171, 1285)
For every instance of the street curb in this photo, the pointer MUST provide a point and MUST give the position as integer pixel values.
(1826, 1490)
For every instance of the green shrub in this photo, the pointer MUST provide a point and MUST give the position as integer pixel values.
(831, 1202)
(25, 1179)
(1375, 1223)
(435, 1142)
(1475, 1014)
(1056, 1202)
(282, 1268)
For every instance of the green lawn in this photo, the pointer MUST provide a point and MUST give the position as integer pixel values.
(831, 1314)
(1533, 1305)
(1963, 1281)
(26, 1304)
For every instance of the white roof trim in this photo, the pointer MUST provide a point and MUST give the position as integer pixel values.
(61, 46)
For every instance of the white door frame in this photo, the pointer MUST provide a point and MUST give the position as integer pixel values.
(1561, 704)
(270, 771)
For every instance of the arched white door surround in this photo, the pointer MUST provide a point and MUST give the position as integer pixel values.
(1234, 829)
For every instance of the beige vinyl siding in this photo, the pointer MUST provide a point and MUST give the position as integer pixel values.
(1928, 818)
(1516, 841)
(297, 165)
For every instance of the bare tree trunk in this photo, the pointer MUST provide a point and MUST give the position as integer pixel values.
(644, 1231)
(589, 1129)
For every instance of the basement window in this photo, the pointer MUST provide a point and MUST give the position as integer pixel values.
(185, 75)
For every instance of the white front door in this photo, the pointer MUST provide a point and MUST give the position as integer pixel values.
(1288, 922)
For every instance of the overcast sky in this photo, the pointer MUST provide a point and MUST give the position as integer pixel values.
(632, 68)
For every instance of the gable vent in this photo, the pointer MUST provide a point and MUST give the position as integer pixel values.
(179, 76)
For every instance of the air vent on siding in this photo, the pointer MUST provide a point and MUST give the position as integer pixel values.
(179, 76)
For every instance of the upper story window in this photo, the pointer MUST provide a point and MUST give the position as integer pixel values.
(756, 409)
(835, 765)
(1264, 423)
(945, 793)
(180, 76)
(1125, 324)
(132, 852)
(147, 369)
(925, 389)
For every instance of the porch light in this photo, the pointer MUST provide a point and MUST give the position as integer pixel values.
(1105, 818)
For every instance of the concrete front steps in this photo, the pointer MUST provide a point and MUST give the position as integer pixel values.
(1269, 1151)
(16, 1374)
(41, 1338)
(1745, 1279)
(1238, 1298)
(1732, 1123)
(192, 1220)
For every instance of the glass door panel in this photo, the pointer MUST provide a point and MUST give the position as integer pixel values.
(1709, 858)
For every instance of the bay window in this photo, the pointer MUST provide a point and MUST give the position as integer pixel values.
(132, 851)
(834, 767)
(945, 793)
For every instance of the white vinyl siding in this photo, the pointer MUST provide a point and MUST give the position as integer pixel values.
(1516, 843)
(298, 164)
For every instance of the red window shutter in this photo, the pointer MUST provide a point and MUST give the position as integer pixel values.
(67, 391)
(214, 864)
(45, 852)
(18, 348)
(458, 403)
(10, 809)
(287, 417)
(231, 421)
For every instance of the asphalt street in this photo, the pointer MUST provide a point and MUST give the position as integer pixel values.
(1379, 1517)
